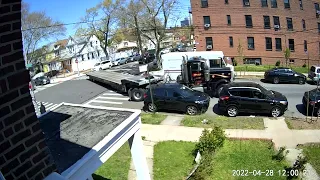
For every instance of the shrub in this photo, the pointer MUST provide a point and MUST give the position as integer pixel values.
(281, 154)
(304, 65)
(235, 62)
(210, 140)
(297, 168)
(278, 63)
(204, 169)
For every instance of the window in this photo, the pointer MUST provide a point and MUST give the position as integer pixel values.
(257, 94)
(248, 21)
(319, 48)
(286, 4)
(91, 44)
(159, 92)
(266, 20)
(216, 63)
(274, 4)
(268, 44)
(96, 42)
(229, 20)
(88, 56)
(230, 41)
(316, 6)
(291, 44)
(256, 61)
(92, 55)
(276, 21)
(226, 1)
(206, 20)
(289, 24)
(303, 24)
(209, 42)
(245, 93)
(319, 27)
(250, 43)
(301, 5)
(278, 44)
(291, 61)
(264, 3)
(305, 45)
(82, 57)
(246, 3)
(204, 3)
(98, 52)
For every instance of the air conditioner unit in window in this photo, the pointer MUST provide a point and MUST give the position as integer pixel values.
(247, 3)
(276, 26)
(207, 25)
(209, 47)
(318, 12)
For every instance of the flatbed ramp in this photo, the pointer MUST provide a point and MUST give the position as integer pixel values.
(109, 75)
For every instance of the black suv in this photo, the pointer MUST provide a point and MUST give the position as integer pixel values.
(251, 98)
(173, 96)
(311, 102)
(283, 74)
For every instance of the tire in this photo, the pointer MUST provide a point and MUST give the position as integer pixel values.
(152, 107)
(192, 110)
(218, 90)
(137, 94)
(276, 111)
(301, 81)
(100, 69)
(232, 111)
(275, 80)
(317, 113)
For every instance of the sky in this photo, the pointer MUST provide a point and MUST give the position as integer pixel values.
(70, 11)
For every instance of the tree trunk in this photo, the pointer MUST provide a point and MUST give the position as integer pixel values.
(138, 34)
(158, 55)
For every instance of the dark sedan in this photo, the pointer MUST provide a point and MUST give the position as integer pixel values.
(283, 74)
(311, 102)
(43, 80)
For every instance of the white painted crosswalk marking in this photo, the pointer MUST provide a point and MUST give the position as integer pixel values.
(112, 94)
(104, 102)
(48, 106)
(112, 98)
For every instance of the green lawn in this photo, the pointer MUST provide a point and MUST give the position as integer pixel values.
(312, 151)
(150, 118)
(172, 160)
(263, 68)
(224, 122)
(117, 167)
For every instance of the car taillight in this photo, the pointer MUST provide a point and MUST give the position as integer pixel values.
(30, 86)
(224, 98)
(145, 96)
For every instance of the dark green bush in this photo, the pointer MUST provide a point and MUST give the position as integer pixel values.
(278, 63)
(210, 140)
(304, 65)
(281, 154)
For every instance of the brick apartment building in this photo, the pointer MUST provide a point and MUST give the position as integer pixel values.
(263, 28)
(23, 151)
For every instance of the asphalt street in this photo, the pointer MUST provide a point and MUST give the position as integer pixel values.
(86, 92)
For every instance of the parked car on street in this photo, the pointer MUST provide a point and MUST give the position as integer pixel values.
(147, 59)
(137, 57)
(311, 102)
(32, 86)
(102, 65)
(283, 74)
(130, 58)
(43, 80)
(251, 97)
(52, 73)
(123, 61)
(116, 62)
(172, 96)
(314, 73)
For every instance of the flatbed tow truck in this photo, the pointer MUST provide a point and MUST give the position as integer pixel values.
(135, 86)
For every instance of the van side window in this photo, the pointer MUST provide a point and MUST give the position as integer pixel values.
(318, 70)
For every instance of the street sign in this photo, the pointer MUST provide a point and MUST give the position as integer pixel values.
(76, 61)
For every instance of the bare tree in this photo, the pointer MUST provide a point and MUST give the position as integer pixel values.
(37, 26)
(157, 16)
(287, 54)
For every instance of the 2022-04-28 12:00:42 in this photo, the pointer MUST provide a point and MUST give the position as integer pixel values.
(269, 172)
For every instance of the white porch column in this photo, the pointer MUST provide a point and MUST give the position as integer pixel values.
(138, 157)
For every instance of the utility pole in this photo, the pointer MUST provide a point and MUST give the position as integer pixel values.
(151, 94)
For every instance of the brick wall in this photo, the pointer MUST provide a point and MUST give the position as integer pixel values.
(220, 31)
(23, 152)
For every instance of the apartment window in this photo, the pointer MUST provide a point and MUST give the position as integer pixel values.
(229, 20)
(248, 21)
(305, 45)
(264, 3)
(246, 3)
(98, 52)
(206, 20)
(289, 24)
(291, 44)
(226, 1)
(286, 4)
(278, 44)
(291, 61)
(303, 24)
(268, 44)
(266, 20)
(274, 4)
(319, 27)
(88, 56)
(92, 55)
(250, 43)
(231, 41)
(301, 5)
(276, 21)
(82, 57)
(209, 42)
(204, 3)
(316, 6)
(91, 44)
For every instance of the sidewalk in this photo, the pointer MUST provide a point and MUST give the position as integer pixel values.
(54, 80)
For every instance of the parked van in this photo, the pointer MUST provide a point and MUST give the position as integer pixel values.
(314, 73)
(102, 65)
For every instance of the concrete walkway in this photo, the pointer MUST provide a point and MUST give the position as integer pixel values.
(172, 120)
(275, 130)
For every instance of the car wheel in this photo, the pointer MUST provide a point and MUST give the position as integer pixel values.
(232, 111)
(192, 110)
(218, 90)
(100, 69)
(302, 81)
(137, 94)
(276, 111)
(275, 80)
(317, 114)
(152, 107)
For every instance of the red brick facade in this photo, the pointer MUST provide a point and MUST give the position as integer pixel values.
(220, 31)
(23, 151)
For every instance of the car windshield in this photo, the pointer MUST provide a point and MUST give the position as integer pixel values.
(186, 91)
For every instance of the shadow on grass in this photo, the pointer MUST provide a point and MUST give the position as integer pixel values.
(98, 177)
